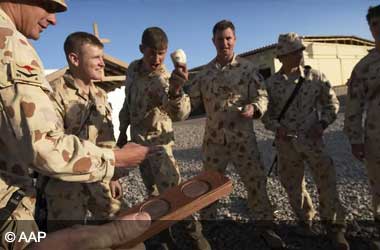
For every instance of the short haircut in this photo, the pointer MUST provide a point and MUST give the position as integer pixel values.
(373, 11)
(76, 40)
(155, 38)
(222, 25)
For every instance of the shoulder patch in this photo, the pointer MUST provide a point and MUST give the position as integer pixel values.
(28, 74)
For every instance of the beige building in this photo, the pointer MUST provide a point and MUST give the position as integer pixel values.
(333, 55)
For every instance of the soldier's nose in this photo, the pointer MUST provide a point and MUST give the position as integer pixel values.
(52, 19)
(101, 63)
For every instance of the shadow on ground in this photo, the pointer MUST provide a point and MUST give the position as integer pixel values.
(234, 235)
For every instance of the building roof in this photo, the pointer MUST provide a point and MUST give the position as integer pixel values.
(114, 73)
(351, 40)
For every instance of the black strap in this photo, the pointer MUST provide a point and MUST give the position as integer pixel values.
(283, 111)
(90, 110)
(274, 163)
(11, 206)
(291, 98)
(41, 211)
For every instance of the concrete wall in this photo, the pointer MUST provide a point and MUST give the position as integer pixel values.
(264, 60)
(336, 61)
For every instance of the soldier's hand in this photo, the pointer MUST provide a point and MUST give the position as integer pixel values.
(132, 154)
(248, 111)
(358, 151)
(107, 236)
(178, 78)
(116, 189)
(122, 140)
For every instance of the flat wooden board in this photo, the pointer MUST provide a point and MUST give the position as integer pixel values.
(180, 202)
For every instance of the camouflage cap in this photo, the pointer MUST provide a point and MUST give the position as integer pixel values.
(288, 43)
(60, 5)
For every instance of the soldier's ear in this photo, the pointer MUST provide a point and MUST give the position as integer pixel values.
(213, 40)
(142, 48)
(73, 58)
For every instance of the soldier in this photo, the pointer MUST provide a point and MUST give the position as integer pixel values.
(87, 114)
(31, 132)
(299, 137)
(232, 92)
(149, 108)
(362, 100)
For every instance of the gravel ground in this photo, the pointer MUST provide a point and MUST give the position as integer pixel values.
(234, 229)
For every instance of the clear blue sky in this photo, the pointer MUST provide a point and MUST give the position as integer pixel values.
(189, 23)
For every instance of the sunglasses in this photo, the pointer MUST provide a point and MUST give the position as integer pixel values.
(47, 5)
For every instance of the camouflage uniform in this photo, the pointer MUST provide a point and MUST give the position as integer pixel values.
(32, 134)
(150, 112)
(89, 118)
(363, 98)
(301, 115)
(229, 137)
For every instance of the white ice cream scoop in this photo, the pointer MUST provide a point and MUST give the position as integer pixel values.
(178, 56)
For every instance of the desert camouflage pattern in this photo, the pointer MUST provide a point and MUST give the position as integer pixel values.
(19, 224)
(363, 101)
(230, 138)
(303, 112)
(316, 95)
(31, 133)
(288, 43)
(87, 116)
(149, 111)
(222, 91)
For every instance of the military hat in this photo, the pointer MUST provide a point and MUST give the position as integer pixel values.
(288, 43)
(60, 5)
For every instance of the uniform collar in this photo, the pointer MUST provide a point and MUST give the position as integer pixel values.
(301, 71)
(234, 62)
(70, 81)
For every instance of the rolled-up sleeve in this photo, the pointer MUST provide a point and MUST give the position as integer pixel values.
(329, 101)
(258, 94)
